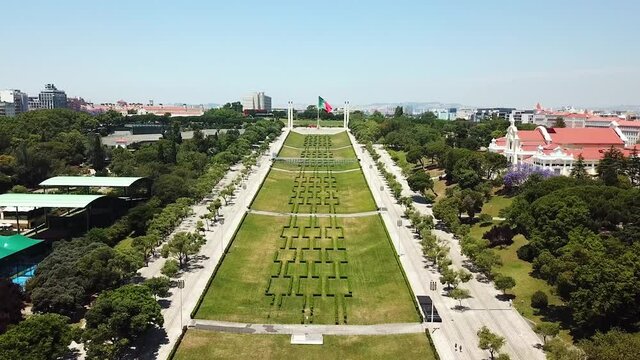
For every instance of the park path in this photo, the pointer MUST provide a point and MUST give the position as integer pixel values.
(483, 308)
(288, 329)
(180, 303)
(323, 215)
(315, 171)
(297, 148)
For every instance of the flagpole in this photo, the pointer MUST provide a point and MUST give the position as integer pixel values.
(318, 118)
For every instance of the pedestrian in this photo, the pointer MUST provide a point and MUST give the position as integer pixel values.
(455, 347)
(460, 347)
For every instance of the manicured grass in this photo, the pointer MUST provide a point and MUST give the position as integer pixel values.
(289, 152)
(200, 344)
(294, 139)
(351, 190)
(495, 204)
(379, 291)
(440, 188)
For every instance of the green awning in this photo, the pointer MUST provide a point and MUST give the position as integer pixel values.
(10, 245)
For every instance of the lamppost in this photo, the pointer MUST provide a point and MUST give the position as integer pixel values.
(221, 237)
(180, 286)
(433, 286)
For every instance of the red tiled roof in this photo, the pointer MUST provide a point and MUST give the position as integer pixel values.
(530, 135)
(585, 136)
(628, 123)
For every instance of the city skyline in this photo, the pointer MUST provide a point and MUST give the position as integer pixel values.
(574, 53)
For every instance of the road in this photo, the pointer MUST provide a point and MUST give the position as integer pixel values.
(181, 303)
(484, 308)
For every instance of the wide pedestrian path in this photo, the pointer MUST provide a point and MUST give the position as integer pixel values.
(288, 329)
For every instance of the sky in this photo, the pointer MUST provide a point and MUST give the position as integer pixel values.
(477, 53)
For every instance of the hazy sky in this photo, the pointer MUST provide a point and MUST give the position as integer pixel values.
(491, 52)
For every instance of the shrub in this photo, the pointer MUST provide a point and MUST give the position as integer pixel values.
(526, 252)
(539, 300)
(170, 268)
(484, 218)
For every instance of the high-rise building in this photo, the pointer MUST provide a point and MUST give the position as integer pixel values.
(7, 109)
(256, 101)
(19, 100)
(49, 98)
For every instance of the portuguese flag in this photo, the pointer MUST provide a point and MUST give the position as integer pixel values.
(323, 104)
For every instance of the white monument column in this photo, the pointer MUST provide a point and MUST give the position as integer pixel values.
(290, 114)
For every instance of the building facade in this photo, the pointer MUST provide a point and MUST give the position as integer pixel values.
(557, 149)
(19, 100)
(49, 98)
(7, 109)
(256, 101)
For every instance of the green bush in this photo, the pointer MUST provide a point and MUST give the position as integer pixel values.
(170, 268)
(539, 300)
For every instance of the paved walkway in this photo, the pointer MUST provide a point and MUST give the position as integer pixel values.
(181, 303)
(483, 308)
(352, 215)
(315, 171)
(280, 329)
(297, 148)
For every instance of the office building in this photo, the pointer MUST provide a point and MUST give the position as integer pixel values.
(19, 100)
(257, 102)
(7, 109)
(49, 98)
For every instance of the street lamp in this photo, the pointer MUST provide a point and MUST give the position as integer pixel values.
(181, 286)
(221, 237)
(433, 286)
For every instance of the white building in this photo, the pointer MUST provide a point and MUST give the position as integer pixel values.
(256, 101)
(19, 100)
(556, 149)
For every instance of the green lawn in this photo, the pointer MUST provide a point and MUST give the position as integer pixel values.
(400, 158)
(200, 344)
(495, 204)
(379, 293)
(351, 190)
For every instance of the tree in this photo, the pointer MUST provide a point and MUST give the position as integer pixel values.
(489, 341)
(504, 283)
(459, 294)
(118, 317)
(45, 337)
(11, 303)
(559, 123)
(539, 300)
(415, 155)
(182, 245)
(493, 163)
(227, 192)
(146, 244)
(547, 329)
(579, 170)
(633, 167)
(159, 286)
(97, 154)
(613, 345)
(398, 112)
(214, 208)
(169, 187)
(170, 268)
(420, 181)
(611, 166)
(19, 189)
(485, 260)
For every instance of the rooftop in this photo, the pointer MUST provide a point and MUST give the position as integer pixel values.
(47, 200)
(90, 181)
(10, 245)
